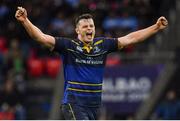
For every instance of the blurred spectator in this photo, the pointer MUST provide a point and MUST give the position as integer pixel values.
(3, 47)
(1, 68)
(11, 100)
(58, 23)
(3, 10)
(113, 60)
(14, 57)
(168, 109)
(120, 22)
(73, 3)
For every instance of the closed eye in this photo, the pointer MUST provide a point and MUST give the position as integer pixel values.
(85, 26)
(91, 26)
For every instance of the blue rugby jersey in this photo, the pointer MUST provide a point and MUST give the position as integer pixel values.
(83, 68)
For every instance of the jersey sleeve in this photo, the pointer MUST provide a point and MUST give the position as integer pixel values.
(61, 44)
(111, 44)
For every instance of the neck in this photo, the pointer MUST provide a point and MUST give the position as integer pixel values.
(81, 39)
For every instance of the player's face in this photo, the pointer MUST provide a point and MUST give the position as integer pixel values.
(86, 30)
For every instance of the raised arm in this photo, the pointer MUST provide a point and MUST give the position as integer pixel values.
(34, 32)
(141, 35)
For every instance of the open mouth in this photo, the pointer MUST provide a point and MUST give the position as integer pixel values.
(89, 34)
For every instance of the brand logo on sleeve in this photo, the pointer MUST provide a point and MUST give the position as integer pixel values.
(96, 49)
(79, 48)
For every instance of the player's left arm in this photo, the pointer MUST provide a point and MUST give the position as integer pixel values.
(141, 35)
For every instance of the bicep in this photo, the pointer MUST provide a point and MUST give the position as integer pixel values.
(49, 41)
(124, 41)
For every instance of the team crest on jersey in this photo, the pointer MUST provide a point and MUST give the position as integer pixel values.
(79, 48)
(96, 49)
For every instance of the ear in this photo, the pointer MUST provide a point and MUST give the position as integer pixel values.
(77, 30)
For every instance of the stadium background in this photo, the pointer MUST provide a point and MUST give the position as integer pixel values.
(31, 81)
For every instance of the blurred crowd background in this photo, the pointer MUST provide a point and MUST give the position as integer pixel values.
(29, 72)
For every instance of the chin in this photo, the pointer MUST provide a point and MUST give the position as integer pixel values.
(89, 40)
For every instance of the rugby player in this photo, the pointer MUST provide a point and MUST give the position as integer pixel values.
(84, 61)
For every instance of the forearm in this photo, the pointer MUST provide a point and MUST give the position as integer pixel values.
(34, 32)
(138, 36)
(142, 35)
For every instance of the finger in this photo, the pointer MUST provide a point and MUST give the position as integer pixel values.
(17, 16)
(21, 9)
(164, 22)
(162, 17)
(19, 13)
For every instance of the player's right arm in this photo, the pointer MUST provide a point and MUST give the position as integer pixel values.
(34, 32)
